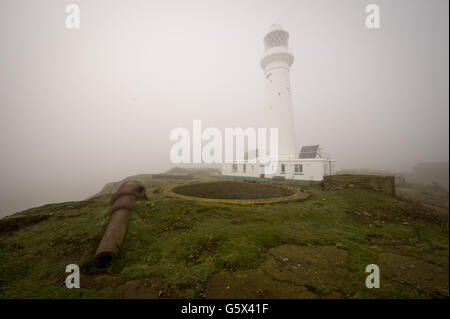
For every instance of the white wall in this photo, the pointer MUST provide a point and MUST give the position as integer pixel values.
(313, 170)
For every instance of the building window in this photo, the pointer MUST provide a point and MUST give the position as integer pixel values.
(283, 169)
(298, 168)
(234, 168)
(244, 168)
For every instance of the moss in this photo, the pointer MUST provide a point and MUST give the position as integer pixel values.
(185, 242)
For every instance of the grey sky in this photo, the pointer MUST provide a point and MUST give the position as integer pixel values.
(79, 108)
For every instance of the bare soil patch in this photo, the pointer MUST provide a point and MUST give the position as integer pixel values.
(146, 288)
(288, 271)
(415, 274)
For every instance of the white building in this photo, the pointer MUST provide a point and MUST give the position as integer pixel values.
(310, 163)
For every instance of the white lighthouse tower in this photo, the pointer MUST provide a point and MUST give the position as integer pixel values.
(276, 64)
(308, 164)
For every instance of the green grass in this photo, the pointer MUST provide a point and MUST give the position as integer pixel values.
(185, 242)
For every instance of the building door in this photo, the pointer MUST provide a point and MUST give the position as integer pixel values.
(262, 171)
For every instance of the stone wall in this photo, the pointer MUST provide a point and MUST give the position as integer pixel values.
(383, 184)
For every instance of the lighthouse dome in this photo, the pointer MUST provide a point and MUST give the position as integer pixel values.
(277, 37)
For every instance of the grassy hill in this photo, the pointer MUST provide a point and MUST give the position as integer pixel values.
(316, 248)
(174, 176)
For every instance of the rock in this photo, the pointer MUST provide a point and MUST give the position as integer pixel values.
(366, 214)
(260, 292)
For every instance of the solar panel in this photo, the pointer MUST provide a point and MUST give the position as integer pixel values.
(310, 151)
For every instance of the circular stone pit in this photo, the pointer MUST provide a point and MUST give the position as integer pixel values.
(236, 192)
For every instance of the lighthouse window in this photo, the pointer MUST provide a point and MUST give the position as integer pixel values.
(298, 168)
(283, 168)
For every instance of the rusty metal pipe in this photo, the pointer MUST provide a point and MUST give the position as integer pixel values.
(122, 203)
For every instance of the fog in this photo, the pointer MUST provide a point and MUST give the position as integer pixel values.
(83, 107)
